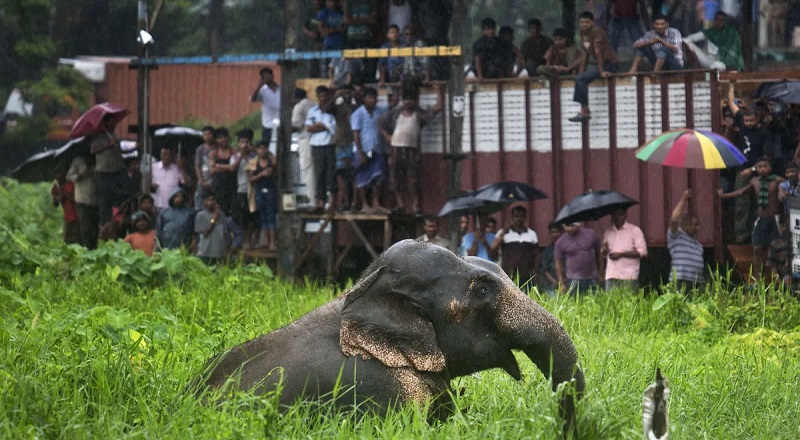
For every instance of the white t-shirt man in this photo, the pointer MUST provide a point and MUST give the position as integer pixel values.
(270, 105)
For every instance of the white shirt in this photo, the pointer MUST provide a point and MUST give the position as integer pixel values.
(168, 180)
(270, 104)
(325, 137)
(528, 236)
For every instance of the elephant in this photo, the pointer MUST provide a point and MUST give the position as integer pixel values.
(418, 317)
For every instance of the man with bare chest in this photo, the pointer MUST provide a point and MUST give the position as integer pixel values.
(764, 186)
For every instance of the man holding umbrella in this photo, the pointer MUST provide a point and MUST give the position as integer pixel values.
(108, 168)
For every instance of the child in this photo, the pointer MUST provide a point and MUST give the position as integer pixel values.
(779, 256)
(561, 58)
(261, 172)
(548, 282)
(143, 237)
(63, 193)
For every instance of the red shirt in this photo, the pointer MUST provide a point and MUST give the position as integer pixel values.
(624, 9)
(66, 196)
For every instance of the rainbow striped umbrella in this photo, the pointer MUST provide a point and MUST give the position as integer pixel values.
(687, 148)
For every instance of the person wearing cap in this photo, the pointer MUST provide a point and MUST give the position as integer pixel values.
(302, 104)
(624, 247)
(174, 224)
(244, 212)
(579, 261)
(167, 176)
(143, 237)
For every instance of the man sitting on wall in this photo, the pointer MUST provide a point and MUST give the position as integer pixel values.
(661, 45)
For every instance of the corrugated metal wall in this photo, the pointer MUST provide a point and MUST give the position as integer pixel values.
(217, 93)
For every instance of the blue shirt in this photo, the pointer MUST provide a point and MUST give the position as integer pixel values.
(325, 137)
(367, 127)
(483, 252)
(332, 19)
(394, 65)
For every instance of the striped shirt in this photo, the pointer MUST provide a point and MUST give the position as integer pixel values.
(671, 36)
(687, 257)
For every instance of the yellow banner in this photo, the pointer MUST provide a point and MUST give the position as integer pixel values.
(354, 53)
(402, 52)
(449, 51)
(425, 51)
(377, 53)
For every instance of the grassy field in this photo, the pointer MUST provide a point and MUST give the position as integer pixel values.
(102, 344)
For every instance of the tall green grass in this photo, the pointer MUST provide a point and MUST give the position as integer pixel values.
(91, 347)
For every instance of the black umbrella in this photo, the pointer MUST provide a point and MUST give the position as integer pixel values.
(42, 167)
(178, 139)
(593, 205)
(509, 191)
(786, 91)
(468, 204)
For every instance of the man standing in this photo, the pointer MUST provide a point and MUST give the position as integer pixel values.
(299, 113)
(661, 45)
(322, 125)
(684, 248)
(269, 93)
(578, 259)
(624, 247)
(598, 60)
(167, 177)
(212, 240)
(431, 234)
(625, 15)
(752, 140)
(81, 173)
(520, 248)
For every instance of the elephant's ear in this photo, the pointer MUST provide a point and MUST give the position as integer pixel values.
(380, 320)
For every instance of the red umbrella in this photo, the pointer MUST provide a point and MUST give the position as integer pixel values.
(91, 122)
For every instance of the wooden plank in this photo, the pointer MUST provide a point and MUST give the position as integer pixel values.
(312, 244)
(362, 237)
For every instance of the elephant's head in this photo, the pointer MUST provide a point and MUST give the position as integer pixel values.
(420, 306)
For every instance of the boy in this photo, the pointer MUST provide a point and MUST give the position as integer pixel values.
(561, 58)
(212, 235)
(63, 193)
(143, 237)
(765, 192)
(779, 256)
(548, 282)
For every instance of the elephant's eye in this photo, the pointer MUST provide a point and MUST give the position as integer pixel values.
(481, 290)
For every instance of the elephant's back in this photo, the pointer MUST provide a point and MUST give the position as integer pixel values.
(284, 354)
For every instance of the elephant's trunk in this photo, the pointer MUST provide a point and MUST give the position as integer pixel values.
(541, 336)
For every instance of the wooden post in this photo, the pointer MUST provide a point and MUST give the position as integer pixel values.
(143, 100)
(289, 221)
(457, 101)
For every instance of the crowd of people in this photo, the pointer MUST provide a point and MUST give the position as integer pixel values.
(234, 207)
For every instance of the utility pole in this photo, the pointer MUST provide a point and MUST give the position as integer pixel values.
(143, 65)
(288, 220)
(457, 101)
